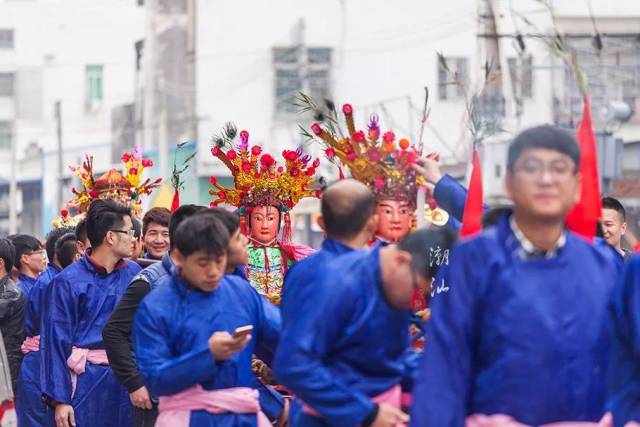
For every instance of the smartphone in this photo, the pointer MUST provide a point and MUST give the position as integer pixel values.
(242, 331)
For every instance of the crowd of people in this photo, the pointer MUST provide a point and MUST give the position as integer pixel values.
(207, 316)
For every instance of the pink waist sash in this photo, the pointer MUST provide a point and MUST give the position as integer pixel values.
(175, 410)
(78, 361)
(392, 397)
(501, 420)
(30, 344)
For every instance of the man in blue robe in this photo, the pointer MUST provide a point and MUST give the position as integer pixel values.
(30, 261)
(77, 379)
(522, 331)
(346, 354)
(183, 332)
(624, 373)
(349, 220)
(30, 408)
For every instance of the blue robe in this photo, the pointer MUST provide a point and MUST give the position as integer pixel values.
(171, 332)
(82, 299)
(527, 338)
(624, 371)
(30, 408)
(349, 344)
(25, 284)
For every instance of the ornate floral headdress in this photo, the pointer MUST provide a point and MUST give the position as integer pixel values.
(127, 188)
(259, 180)
(379, 163)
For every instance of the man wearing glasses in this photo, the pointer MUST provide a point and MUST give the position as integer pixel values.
(522, 332)
(77, 380)
(31, 260)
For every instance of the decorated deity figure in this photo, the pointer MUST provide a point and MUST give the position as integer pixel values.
(126, 187)
(264, 193)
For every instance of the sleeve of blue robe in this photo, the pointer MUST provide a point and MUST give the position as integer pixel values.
(322, 317)
(56, 336)
(442, 384)
(269, 326)
(452, 196)
(624, 372)
(165, 374)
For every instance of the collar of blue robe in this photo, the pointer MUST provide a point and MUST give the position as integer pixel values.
(90, 262)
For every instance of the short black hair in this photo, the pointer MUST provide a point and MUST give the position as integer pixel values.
(160, 216)
(66, 249)
(611, 203)
(53, 237)
(428, 248)
(180, 214)
(204, 233)
(345, 217)
(24, 243)
(7, 253)
(81, 230)
(492, 216)
(230, 220)
(137, 228)
(104, 215)
(546, 136)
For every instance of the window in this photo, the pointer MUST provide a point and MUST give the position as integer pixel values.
(5, 135)
(7, 81)
(300, 71)
(6, 39)
(93, 75)
(452, 83)
(521, 72)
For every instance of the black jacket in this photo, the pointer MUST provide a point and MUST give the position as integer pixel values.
(12, 302)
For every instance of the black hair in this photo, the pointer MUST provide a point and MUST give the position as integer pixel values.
(24, 243)
(81, 230)
(611, 203)
(53, 237)
(204, 233)
(429, 249)
(7, 253)
(104, 215)
(492, 216)
(66, 249)
(160, 216)
(137, 228)
(182, 213)
(548, 137)
(230, 220)
(345, 217)
(599, 230)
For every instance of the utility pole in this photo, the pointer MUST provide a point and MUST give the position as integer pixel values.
(13, 184)
(58, 116)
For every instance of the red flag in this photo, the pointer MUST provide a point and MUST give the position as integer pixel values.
(175, 203)
(471, 218)
(583, 217)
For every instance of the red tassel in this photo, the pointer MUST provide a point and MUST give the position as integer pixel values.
(243, 225)
(175, 203)
(472, 216)
(583, 217)
(286, 231)
(340, 173)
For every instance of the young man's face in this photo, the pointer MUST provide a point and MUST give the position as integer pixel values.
(156, 240)
(237, 250)
(137, 248)
(121, 238)
(200, 270)
(543, 184)
(34, 262)
(613, 226)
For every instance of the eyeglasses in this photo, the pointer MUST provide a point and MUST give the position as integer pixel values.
(38, 252)
(130, 233)
(558, 169)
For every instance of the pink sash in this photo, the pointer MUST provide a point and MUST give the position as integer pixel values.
(78, 361)
(175, 410)
(502, 420)
(30, 344)
(392, 397)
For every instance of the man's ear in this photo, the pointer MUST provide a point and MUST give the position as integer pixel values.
(177, 257)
